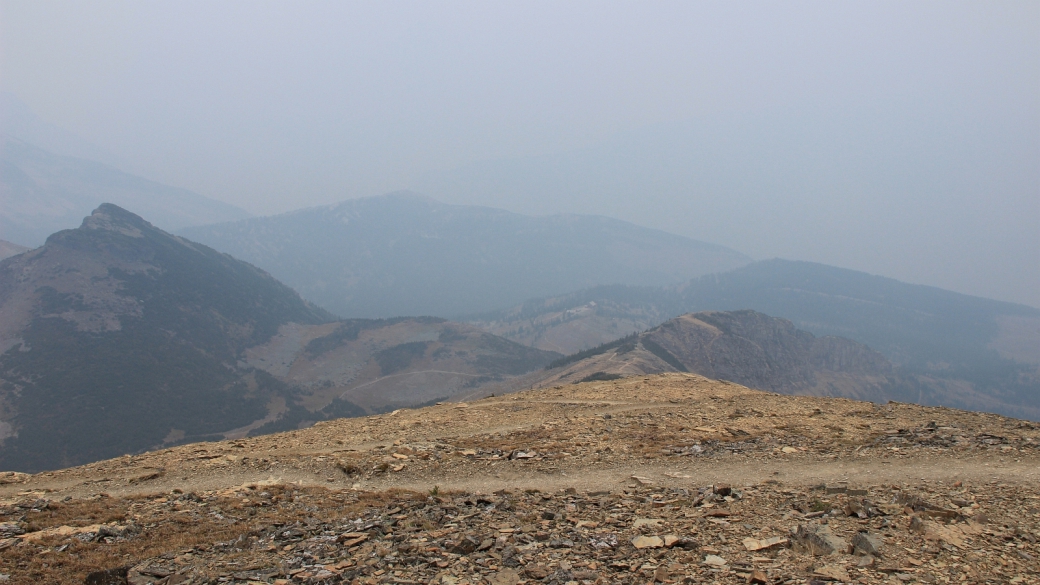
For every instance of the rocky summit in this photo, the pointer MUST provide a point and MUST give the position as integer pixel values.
(673, 478)
(117, 337)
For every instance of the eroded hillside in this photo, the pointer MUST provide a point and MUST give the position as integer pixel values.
(361, 366)
(745, 347)
(950, 348)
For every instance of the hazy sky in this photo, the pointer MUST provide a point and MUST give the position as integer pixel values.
(899, 138)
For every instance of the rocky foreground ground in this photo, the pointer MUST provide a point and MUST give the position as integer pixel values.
(671, 478)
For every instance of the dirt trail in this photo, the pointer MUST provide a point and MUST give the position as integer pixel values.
(972, 470)
(976, 470)
(592, 436)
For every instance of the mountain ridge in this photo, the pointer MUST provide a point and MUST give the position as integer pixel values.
(982, 346)
(744, 347)
(117, 336)
(407, 254)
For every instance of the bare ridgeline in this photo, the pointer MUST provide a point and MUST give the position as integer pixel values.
(667, 478)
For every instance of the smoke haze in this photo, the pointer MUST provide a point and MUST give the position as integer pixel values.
(901, 139)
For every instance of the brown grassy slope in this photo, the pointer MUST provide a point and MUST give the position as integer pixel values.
(384, 364)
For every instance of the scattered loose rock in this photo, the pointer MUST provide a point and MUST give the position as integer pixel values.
(641, 542)
(715, 561)
(865, 543)
(817, 540)
(505, 577)
(832, 573)
(753, 544)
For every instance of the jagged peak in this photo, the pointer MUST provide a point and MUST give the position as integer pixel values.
(114, 218)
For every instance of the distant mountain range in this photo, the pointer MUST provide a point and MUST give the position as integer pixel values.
(18, 120)
(406, 254)
(984, 354)
(118, 337)
(733, 179)
(42, 192)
